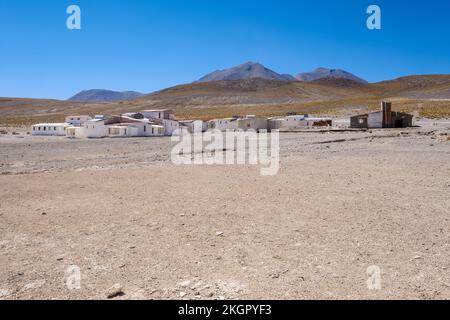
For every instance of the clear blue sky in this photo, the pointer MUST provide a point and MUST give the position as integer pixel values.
(147, 45)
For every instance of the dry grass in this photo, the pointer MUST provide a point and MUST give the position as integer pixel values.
(27, 121)
(256, 96)
(335, 108)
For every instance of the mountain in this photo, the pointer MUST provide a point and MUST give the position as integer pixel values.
(257, 92)
(322, 73)
(427, 94)
(246, 71)
(252, 91)
(100, 95)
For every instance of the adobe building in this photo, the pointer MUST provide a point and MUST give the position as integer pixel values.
(386, 118)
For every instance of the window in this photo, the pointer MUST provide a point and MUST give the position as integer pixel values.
(45, 128)
(54, 128)
(153, 130)
(145, 128)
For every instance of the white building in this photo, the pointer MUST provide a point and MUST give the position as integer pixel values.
(77, 120)
(159, 114)
(95, 128)
(75, 132)
(136, 129)
(49, 129)
(122, 130)
(170, 126)
(223, 124)
(299, 122)
(253, 123)
(153, 130)
(193, 126)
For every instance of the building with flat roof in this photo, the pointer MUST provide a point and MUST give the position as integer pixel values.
(385, 118)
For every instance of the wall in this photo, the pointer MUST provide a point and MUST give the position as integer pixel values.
(253, 123)
(170, 126)
(49, 130)
(223, 124)
(375, 120)
(77, 120)
(96, 129)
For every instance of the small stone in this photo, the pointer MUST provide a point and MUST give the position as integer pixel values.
(185, 284)
(197, 285)
(417, 257)
(219, 234)
(4, 293)
(115, 291)
(183, 294)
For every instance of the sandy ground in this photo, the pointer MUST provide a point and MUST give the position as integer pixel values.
(122, 213)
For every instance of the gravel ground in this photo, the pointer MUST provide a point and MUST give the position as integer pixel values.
(138, 227)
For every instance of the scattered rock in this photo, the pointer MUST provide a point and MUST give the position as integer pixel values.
(185, 284)
(183, 294)
(4, 293)
(219, 234)
(197, 285)
(115, 291)
(278, 275)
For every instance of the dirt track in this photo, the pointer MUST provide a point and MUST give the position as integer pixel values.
(122, 213)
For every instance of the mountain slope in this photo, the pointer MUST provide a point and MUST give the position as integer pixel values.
(429, 95)
(252, 91)
(100, 95)
(246, 71)
(322, 73)
(416, 87)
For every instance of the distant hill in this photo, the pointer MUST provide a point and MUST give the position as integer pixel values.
(428, 94)
(246, 71)
(252, 91)
(416, 87)
(322, 73)
(100, 95)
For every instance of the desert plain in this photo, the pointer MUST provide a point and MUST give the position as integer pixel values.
(125, 217)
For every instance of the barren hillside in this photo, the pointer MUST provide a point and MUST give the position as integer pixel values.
(428, 95)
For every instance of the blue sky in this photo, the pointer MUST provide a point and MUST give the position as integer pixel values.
(147, 45)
